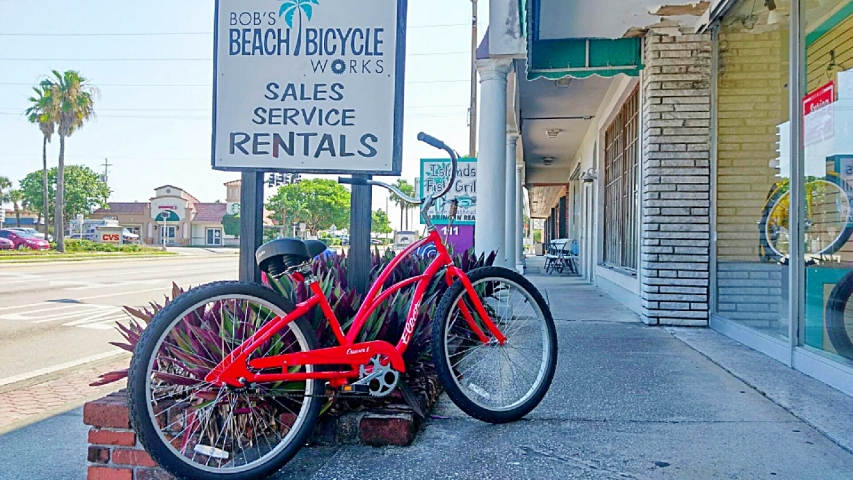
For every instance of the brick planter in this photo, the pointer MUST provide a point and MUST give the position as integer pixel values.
(115, 454)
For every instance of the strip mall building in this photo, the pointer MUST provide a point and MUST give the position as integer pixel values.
(701, 155)
(176, 216)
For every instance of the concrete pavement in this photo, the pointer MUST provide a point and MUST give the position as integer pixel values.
(628, 401)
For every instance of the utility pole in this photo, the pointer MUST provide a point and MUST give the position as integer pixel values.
(472, 108)
(105, 178)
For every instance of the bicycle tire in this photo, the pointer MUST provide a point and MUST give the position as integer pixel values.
(441, 359)
(164, 453)
(836, 306)
(777, 198)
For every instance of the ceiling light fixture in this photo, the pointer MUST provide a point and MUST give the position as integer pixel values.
(548, 160)
(553, 132)
(563, 82)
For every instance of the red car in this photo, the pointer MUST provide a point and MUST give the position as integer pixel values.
(22, 240)
(6, 244)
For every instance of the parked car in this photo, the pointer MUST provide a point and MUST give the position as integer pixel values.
(33, 232)
(129, 237)
(6, 244)
(22, 240)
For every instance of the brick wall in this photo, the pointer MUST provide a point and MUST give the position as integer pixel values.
(114, 452)
(676, 112)
(752, 102)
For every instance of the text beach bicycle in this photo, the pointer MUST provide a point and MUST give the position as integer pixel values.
(238, 399)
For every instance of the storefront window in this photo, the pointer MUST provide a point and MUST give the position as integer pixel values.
(621, 186)
(828, 169)
(753, 165)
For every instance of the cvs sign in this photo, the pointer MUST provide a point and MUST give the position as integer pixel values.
(111, 238)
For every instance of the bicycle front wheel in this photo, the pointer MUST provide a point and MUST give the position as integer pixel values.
(492, 382)
(195, 429)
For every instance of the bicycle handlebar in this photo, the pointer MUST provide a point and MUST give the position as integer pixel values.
(429, 140)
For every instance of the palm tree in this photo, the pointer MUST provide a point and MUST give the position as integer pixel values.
(16, 196)
(75, 104)
(289, 8)
(5, 183)
(42, 111)
(403, 205)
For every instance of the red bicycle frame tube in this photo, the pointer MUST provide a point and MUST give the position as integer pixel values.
(235, 368)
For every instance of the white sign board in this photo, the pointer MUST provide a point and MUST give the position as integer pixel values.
(309, 85)
(435, 173)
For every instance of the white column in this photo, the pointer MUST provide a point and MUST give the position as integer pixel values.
(491, 169)
(519, 220)
(511, 202)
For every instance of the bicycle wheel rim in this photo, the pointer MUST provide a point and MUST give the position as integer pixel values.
(828, 218)
(222, 392)
(475, 387)
(771, 222)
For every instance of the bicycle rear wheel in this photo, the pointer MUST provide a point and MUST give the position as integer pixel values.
(197, 430)
(492, 382)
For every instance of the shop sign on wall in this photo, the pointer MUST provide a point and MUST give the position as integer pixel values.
(309, 85)
(435, 173)
(434, 176)
(819, 121)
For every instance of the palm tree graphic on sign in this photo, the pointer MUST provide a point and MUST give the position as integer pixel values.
(304, 8)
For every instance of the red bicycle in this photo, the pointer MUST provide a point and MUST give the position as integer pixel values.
(227, 381)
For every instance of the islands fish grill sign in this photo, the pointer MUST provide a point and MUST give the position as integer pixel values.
(309, 85)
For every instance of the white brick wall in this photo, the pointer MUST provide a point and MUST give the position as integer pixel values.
(675, 252)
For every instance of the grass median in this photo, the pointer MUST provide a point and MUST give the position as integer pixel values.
(82, 250)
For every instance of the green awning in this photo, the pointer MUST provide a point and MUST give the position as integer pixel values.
(584, 57)
(576, 57)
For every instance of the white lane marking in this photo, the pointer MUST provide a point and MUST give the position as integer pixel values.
(61, 366)
(21, 316)
(107, 315)
(118, 294)
(29, 278)
(75, 286)
(84, 315)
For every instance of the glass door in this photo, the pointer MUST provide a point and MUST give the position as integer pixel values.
(168, 234)
(214, 236)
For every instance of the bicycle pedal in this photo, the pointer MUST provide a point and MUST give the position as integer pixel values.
(355, 389)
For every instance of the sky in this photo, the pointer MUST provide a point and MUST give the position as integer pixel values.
(155, 82)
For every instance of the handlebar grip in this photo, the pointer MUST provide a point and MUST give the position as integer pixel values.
(352, 181)
(432, 141)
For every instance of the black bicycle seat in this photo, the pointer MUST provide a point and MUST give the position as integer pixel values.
(277, 256)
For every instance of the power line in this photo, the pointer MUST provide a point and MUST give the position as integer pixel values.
(188, 59)
(157, 85)
(21, 109)
(208, 118)
(157, 34)
(125, 84)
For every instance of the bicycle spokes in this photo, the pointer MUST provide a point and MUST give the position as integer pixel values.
(497, 376)
(222, 427)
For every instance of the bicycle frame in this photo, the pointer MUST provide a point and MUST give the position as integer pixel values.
(234, 369)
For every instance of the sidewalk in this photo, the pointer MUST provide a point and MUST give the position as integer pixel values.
(628, 401)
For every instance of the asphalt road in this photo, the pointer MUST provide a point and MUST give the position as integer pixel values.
(58, 315)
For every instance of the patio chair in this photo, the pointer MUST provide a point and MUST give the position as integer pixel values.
(554, 257)
(570, 257)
